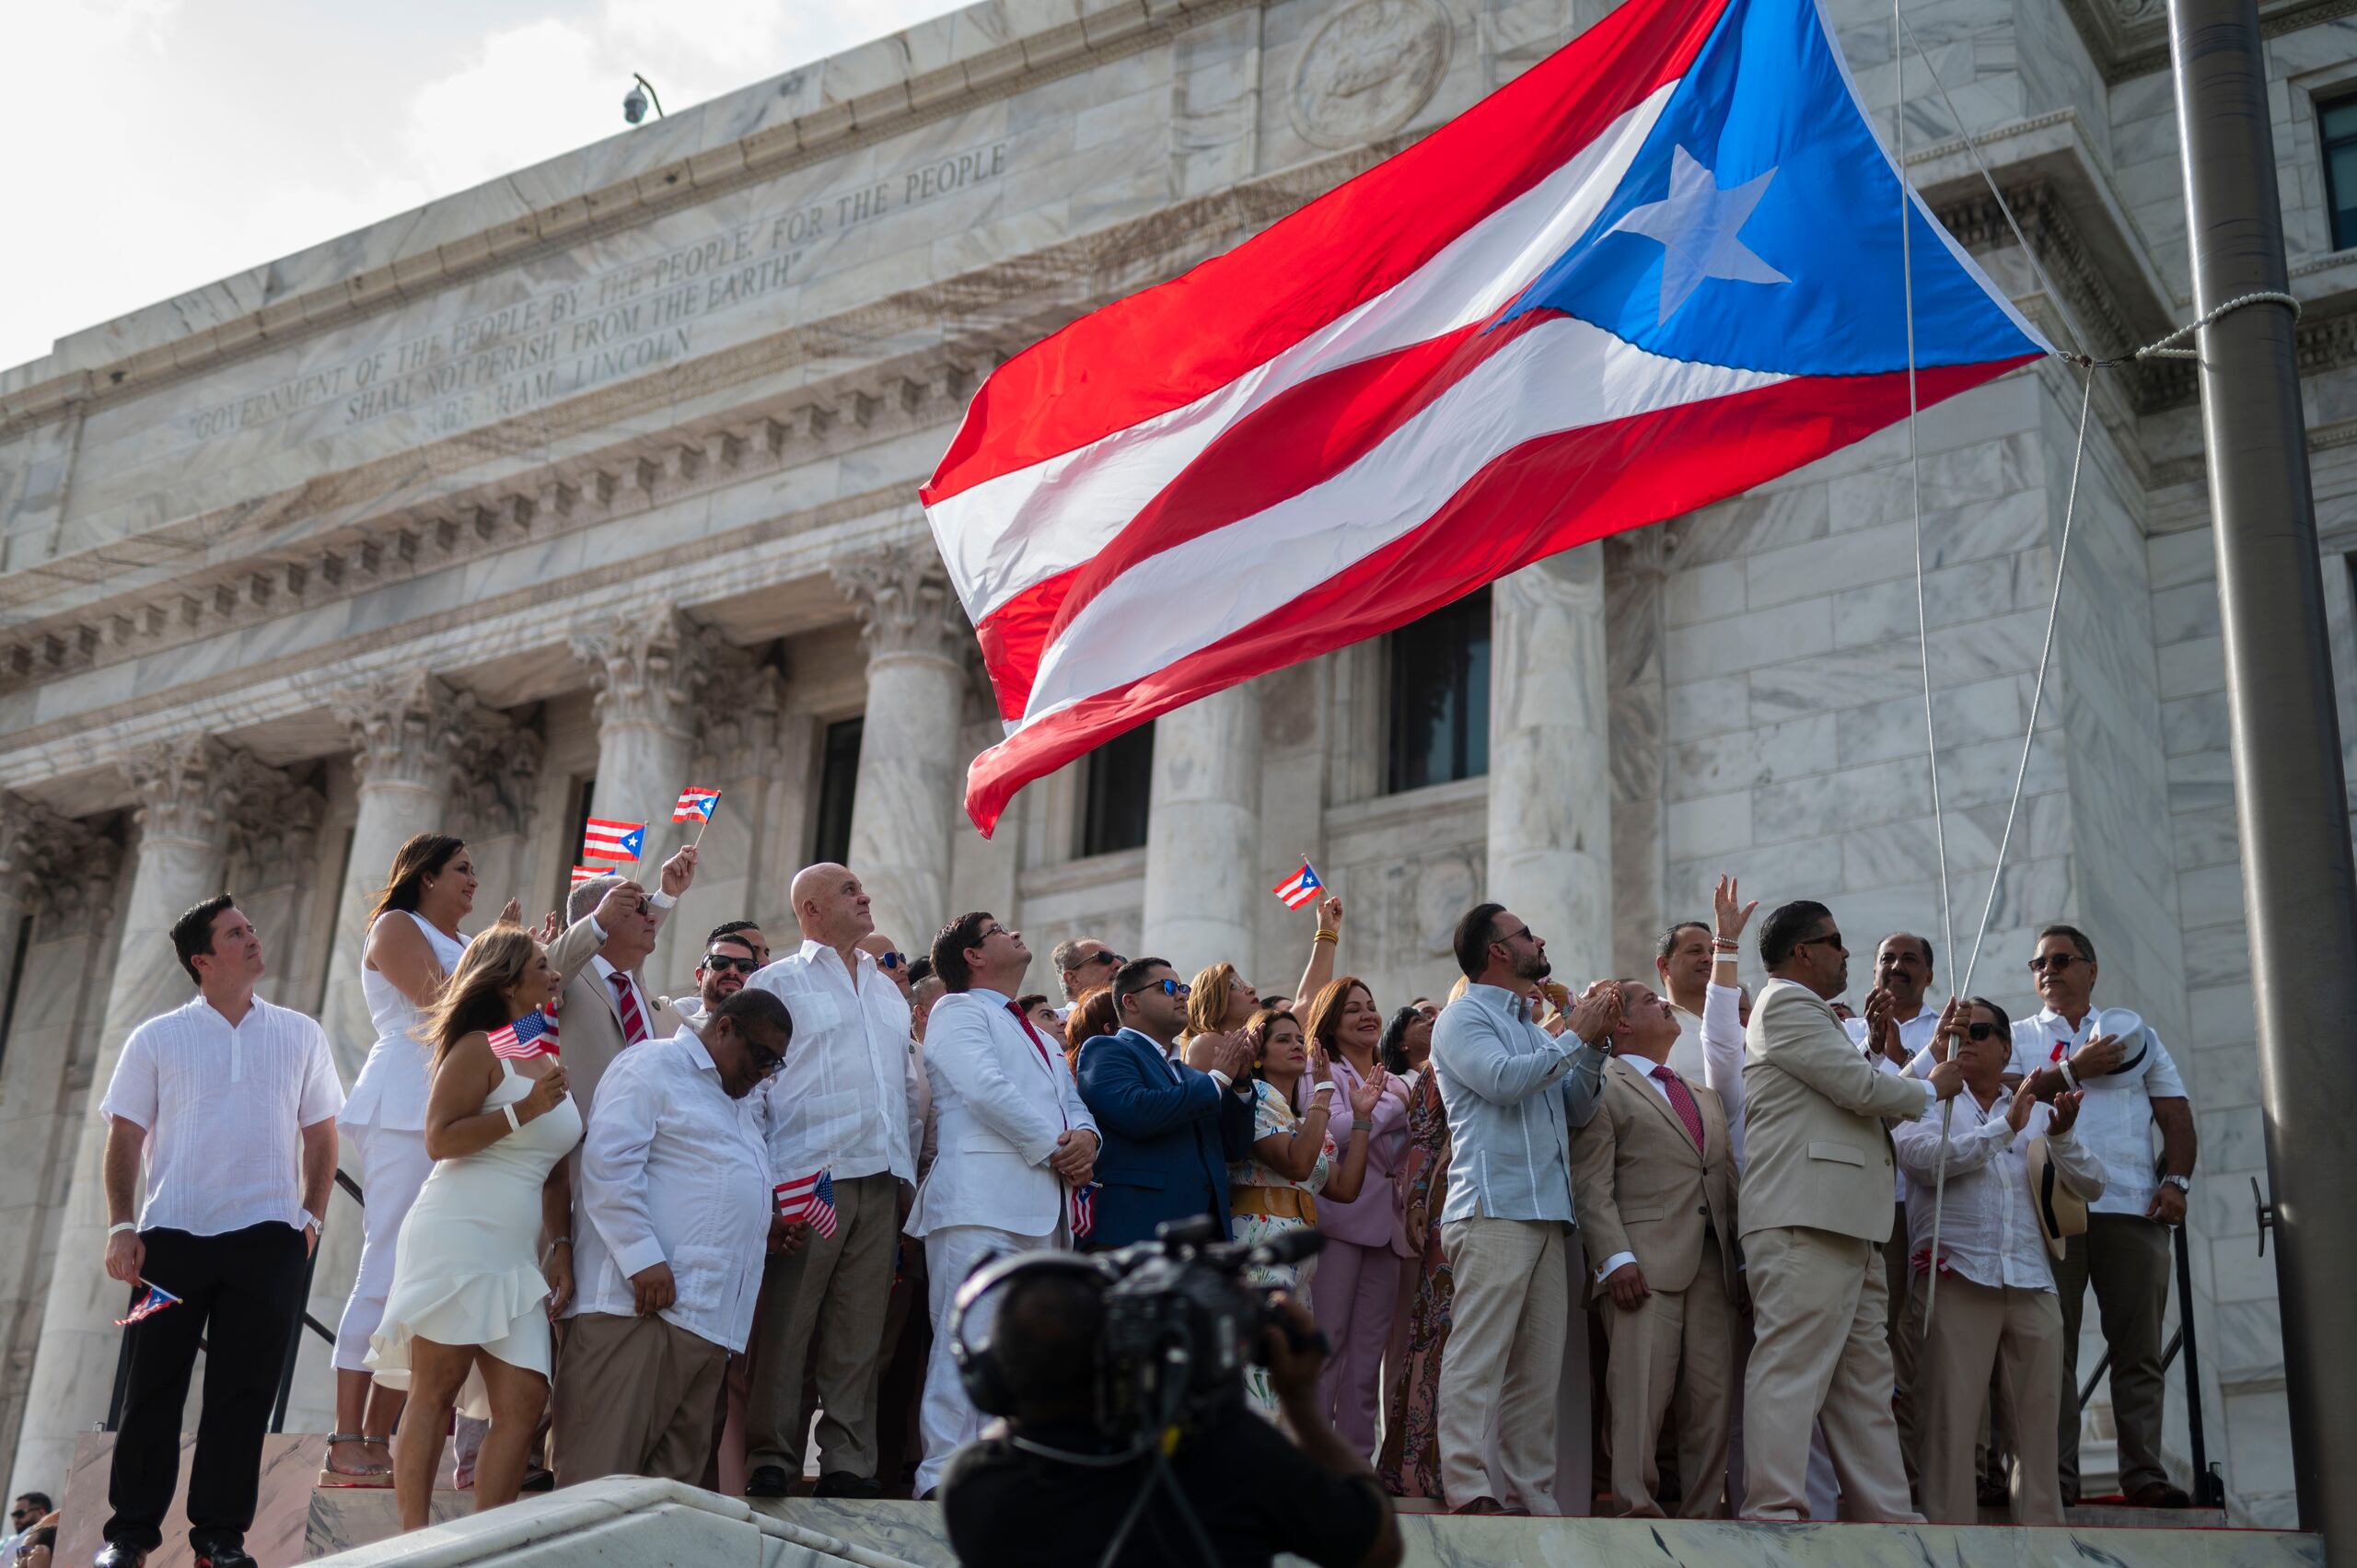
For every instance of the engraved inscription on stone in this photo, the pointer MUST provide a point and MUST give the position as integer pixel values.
(634, 317)
(1367, 70)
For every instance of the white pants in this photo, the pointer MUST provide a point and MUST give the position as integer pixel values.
(393, 1167)
(948, 1419)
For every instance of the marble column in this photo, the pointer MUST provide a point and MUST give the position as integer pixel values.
(905, 804)
(1203, 874)
(650, 675)
(1550, 788)
(186, 801)
(62, 873)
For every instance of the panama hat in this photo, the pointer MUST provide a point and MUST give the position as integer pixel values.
(2060, 1212)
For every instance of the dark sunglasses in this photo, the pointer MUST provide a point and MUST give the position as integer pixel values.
(889, 958)
(2052, 962)
(765, 1061)
(727, 961)
(1981, 1031)
(1830, 940)
(1113, 959)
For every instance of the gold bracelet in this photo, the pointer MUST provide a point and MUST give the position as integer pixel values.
(1322, 935)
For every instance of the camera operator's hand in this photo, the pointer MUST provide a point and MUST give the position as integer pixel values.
(1293, 1374)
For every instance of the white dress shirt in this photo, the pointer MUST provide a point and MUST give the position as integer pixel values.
(840, 1103)
(1915, 1036)
(1709, 1052)
(1988, 1232)
(2116, 1116)
(673, 1171)
(606, 974)
(1001, 1103)
(224, 1108)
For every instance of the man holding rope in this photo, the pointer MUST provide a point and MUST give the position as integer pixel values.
(1816, 1208)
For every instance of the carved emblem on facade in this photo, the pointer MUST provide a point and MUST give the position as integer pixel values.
(1367, 70)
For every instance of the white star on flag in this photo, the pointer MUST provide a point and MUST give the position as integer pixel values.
(1699, 227)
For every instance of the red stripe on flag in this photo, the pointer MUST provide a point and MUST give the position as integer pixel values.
(1528, 502)
(1165, 346)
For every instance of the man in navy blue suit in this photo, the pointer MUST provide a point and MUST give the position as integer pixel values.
(1169, 1130)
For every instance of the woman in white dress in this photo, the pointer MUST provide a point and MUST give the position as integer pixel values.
(485, 1257)
(414, 942)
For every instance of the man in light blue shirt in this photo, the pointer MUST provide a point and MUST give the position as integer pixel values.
(1515, 1091)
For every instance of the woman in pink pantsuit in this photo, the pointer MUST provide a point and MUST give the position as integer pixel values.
(1358, 1272)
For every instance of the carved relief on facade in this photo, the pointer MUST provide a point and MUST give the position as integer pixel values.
(1367, 70)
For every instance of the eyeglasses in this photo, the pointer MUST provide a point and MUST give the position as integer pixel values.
(2052, 963)
(1177, 988)
(765, 1061)
(729, 961)
(1981, 1031)
(1512, 935)
(1109, 958)
(1830, 940)
(889, 958)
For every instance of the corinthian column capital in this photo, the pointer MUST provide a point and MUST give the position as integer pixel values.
(900, 593)
(272, 817)
(177, 787)
(648, 672)
(407, 726)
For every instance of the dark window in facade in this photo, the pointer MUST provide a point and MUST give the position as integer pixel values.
(1439, 720)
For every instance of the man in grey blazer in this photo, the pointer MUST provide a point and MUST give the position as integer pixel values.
(1814, 1207)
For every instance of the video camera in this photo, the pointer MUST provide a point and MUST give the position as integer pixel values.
(1181, 1324)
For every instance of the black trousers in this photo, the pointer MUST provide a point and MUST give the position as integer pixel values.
(242, 1293)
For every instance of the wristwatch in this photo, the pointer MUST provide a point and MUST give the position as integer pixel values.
(2182, 1183)
(313, 1221)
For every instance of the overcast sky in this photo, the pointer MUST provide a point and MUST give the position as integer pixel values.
(157, 144)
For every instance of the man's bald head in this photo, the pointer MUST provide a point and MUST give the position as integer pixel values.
(831, 906)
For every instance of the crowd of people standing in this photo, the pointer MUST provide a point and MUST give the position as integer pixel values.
(610, 1231)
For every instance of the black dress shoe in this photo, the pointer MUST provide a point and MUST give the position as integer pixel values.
(229, 1556)
(115, 1554)
(538, 1479)
(843, 1483)
(768, 1481)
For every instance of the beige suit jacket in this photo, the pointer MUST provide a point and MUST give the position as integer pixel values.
(1640, 1185)
(1816, 1114)
(589, 1022)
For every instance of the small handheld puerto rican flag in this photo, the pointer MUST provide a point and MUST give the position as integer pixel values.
(1083, 1212)
(155, 1301)
(534, 1034)
(601, 840)
(811, 1201)
(583, 873)
(695, 805)
(1300, 888)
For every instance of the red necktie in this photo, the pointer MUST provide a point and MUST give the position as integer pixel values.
(626, 1003)
(1681, 1100)
(1029, 1028)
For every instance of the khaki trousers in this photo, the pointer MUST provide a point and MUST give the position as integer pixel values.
(634, 1396)
(833, 1289)
(1674, 1351)
(1821, 1354)
(1505, 1357)
(2127, 1259)
(1898, 1278)
(2018, 1332)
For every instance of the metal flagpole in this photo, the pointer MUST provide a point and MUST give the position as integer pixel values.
(2291, 799)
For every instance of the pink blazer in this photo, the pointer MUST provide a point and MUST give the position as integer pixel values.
(1373, 1218)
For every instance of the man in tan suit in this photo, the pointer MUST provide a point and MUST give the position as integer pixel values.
(605, 1008)
(1654, 1187)
(1815, 1200)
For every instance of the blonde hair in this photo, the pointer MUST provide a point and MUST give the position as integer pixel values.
(475, 997)
(1208, 996)
(1458, 990)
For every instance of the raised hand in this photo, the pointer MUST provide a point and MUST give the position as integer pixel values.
(543, 1096)
(1733, 915)
(2017, 1113)
(551, 928)
(1597, 1012)
(1329, 914)
(679, 871)
(620, 904)
(1369, 1094)
(1948, 1078)
(510, 913)
(2063, 1114)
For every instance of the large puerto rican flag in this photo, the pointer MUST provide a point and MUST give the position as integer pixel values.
(1660, 267)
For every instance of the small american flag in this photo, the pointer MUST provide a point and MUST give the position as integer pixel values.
(810, 1201)
(583, 873)
(1298, 889)
(602, 840)
(534, 1034)
(155, 1301)
(1084, 1210)
(695, 805)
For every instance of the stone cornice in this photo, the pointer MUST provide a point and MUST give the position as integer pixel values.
(2130, 37)
(1016, 66)
(1001, 308)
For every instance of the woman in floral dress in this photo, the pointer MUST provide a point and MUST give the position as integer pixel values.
(1292, 1158)
(1410, 1461)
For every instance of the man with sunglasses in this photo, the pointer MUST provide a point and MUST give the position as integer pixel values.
(1814, 1207)
(30, 1509)
(1083, 964)
(727, 963)
(674, 1219)
(1170, 1131)
(2132, 1087)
